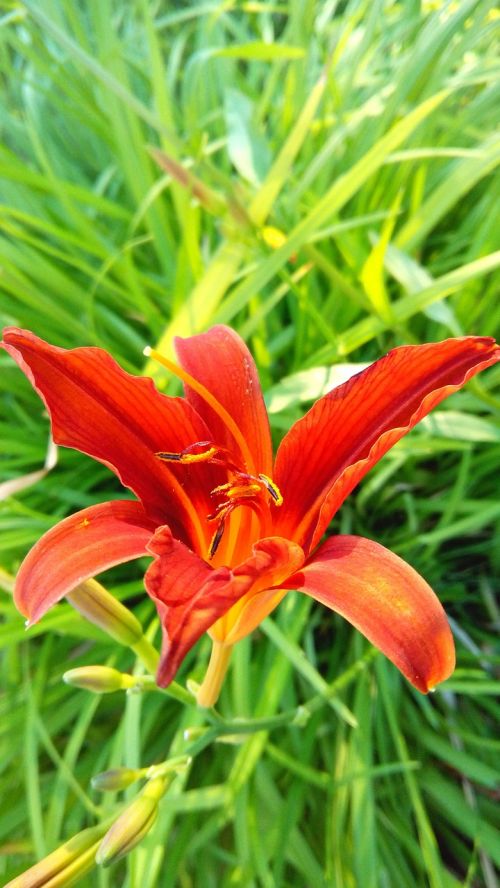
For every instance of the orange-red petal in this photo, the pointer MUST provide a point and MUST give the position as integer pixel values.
(191, 596)
(122, 421)
(78, 548)
(325, 454)
(220, 360)
(388, 601)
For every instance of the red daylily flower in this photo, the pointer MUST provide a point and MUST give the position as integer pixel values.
(229, 531)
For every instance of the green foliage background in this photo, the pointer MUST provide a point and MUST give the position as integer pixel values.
(363, 130)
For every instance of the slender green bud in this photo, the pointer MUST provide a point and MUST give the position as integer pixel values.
(133, 824)
(99, 679)
(95, 603)
(67, 864)
(117, 779)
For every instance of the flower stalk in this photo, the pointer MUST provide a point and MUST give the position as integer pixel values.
(209, 690)
(147, 654)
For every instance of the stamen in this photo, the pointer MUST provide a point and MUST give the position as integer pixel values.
(272, 489)
(209, 399)
(222, 512)
(223, 509)
(222, 488)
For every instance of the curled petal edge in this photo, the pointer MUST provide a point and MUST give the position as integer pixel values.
(191, 596)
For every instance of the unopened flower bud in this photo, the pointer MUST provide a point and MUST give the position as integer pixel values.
(116, 779)
(67, 864)
(99, 679)
(131, 826)
(98, 606)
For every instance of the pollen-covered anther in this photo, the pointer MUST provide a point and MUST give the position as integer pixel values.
(236, 491)
(201, 451)
(249, 486)
(214, 544)
(272, 489)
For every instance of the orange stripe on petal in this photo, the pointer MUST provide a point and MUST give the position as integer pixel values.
(388, 601)
(221, 362)
(208, 399)
(263, 596)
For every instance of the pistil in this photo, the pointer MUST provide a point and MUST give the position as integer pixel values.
(209, 690)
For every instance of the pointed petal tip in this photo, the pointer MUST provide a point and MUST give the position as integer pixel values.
(386, 600)
(8, 332)
(444, 668)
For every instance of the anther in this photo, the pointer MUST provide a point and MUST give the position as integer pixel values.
(214, 545)
(201, 451)
(239, 491)
(272, 489)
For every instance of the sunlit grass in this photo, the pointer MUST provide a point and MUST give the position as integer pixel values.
(365, 132)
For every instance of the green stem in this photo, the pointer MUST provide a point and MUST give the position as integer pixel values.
(148, 655)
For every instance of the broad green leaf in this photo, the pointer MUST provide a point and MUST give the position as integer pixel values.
(309, 385)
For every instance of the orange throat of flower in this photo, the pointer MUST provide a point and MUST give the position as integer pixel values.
(242, 503)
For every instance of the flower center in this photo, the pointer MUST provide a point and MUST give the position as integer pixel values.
(242, 489)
